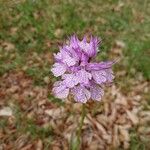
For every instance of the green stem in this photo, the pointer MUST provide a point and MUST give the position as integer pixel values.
(80, 125)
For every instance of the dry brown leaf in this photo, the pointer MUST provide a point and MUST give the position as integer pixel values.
(95, 145)
(6, 111)
(46, 80)
(113, 115)
(120, 43)
(124, 134)
(58, 33)
(121, 99)
(145, 113)
(102, 119)
(39, 145)
(21, 141)
(55, 113)
(121, 119)
(56, 148)
(13, 89)
(126, 145)
(8, 46)
(106, 108)
(132, 117)
(28, 147)
(100, 128)
(115, 138)
(144, 120)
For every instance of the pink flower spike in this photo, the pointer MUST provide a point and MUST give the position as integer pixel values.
(78, 75)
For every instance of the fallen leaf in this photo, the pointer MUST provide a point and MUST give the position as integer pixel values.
(6, 111)
(132, 117)
(39, 145)
(8, 46)
(58, 33)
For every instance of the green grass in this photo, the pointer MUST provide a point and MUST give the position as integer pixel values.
(136, 143)
(38, 21)
(55, 100)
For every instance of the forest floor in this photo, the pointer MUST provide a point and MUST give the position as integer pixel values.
(30, 117)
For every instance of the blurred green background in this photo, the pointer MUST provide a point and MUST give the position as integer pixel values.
(39, 26)
(31, 30)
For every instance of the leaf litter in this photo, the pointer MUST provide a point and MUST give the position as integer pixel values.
(107, 124)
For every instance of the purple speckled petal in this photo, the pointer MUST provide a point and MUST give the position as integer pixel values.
(99, 66)
(83, 76)
(73, 52)
(85, 47)
(81, 94)
(96, 92)
(74, 69)
(96, 41)
(60, 90)
(58, 56)
(67, 59)
(99, 76)
(70, 80)
(74, 41)
(84, 59)
(58, 69)
(110, 75)
(90, 49)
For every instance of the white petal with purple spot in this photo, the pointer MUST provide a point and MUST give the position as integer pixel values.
(99, 76)
(83, 76)
(81, 94)
(96, 92)
(70, 80)
(60, 90)
(58, 69)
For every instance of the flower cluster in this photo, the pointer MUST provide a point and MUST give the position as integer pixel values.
(79, 76)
